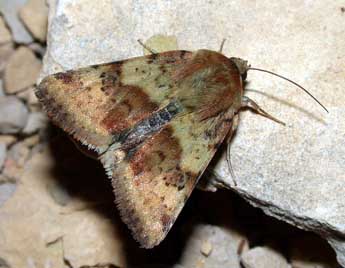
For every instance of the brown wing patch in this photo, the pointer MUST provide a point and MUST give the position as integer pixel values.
(134, 106)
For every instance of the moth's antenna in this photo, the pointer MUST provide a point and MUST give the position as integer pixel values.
(289, 80)
(222, 45)
(146, 47)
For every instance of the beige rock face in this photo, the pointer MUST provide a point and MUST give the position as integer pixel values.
(34, 14)
(36, 231)
(21, 71)
(5, 35)
(6, 50)
(211, 246)
(295, 173)
(263, 257)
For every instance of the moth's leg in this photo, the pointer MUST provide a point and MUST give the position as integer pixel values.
(248, 103)
(213, 180)
(152, 51)
(235, 121)
(222, 45)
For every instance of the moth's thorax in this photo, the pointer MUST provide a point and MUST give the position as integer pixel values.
(213, 80)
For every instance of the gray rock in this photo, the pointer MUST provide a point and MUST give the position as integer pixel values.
(6, 191)
(212, 246)
(9, 9)
(19, 153)
(263, 257)
(36, 121)
(2, 93)
(21, 70)
(5, 35)
(34, 14)
(13, 115)
(6, 51)
(3, 150)
(295, 173)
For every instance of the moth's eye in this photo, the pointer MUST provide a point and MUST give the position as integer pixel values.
(242, 66)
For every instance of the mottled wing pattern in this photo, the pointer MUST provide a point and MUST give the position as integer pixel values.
(153, 178)
(97, 102)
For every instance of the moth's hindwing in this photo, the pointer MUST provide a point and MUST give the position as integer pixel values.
(157, 121)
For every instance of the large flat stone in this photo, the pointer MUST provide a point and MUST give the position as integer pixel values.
(295, 173)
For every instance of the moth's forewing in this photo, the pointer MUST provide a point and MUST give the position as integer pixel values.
(96, 102)
(158, 120)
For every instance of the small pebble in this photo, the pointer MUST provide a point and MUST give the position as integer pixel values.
(206, 248)
(17, 156)
(31, 141)
(9, 9)
(34, 14)
(5, 35)
(3, 150)
(36, 121)
(2, 93)
(38, 48)
(8, 140)
(19, 152)
(13, 115)
(28, 96)
(263, 257)
(6, 51)
(21, 71)
(6, 191)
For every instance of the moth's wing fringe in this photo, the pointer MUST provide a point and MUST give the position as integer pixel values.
(123, 203)
(63, 119)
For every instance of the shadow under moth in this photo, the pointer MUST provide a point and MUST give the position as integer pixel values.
(155, 122)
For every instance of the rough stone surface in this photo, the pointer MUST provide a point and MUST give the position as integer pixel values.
(263, 257)
(6, 50)
(5, 35)
(7, 139)
(295, 173)
(60, 233)
(2, 93)
(13, 115)
(9, 9)
(6, 191)
(34, 14)
(221, 250)
(17, 156)
(3, 149)
(21, 71)
(28, 96)
(35, 122)
(38, 48)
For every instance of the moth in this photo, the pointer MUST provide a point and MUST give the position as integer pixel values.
(155, 122)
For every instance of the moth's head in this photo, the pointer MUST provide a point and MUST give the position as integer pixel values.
(242, 66)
